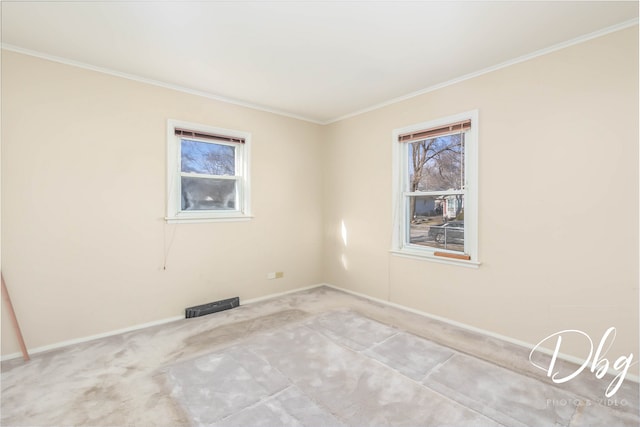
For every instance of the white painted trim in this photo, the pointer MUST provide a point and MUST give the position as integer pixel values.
(529, 346)
(174, 214)
(74, 341)
(193, 220)
(424, 256)
(465, 326)
(523, 58)
(141, 326)
(280, 294)
(153, 82)
(399, 192)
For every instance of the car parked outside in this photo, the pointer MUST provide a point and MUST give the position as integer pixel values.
(447, 232)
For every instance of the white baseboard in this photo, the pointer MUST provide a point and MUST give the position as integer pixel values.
(81, 340)
(279, 294)
(527, 345)
(67, 343)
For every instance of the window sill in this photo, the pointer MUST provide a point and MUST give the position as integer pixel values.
(428, 256)
(195, 219)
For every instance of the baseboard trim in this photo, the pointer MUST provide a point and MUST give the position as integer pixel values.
(511, 340)
(81, 340)
(527, 345)
(279, 294)
(138, 327)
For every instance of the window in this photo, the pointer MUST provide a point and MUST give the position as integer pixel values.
(436, 190)
(208, 173)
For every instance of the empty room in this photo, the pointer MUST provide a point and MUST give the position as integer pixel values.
(320, 213)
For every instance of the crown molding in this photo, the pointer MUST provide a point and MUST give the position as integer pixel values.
(523, 58)
(208, 95)
(170, 86)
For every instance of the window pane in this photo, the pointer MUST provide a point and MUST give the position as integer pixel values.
(437, 164)
(437, 221)
(208, 194)
(207, 158)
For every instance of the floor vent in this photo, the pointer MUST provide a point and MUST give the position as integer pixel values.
(212, 307)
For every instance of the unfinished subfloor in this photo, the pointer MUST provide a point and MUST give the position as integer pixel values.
(319, 357)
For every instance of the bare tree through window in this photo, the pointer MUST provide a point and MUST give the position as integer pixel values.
(436, 164)
(208, 160)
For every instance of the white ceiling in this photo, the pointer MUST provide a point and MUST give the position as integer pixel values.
(319, 60)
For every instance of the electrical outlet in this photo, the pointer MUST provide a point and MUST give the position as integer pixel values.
(275, 275)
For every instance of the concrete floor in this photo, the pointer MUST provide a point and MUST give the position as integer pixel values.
(319, 358)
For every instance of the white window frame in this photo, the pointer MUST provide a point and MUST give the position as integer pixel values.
(175, 214)
(400, 194)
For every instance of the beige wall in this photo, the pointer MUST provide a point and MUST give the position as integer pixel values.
(83, 235)
(558, 214)
(83, 165)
